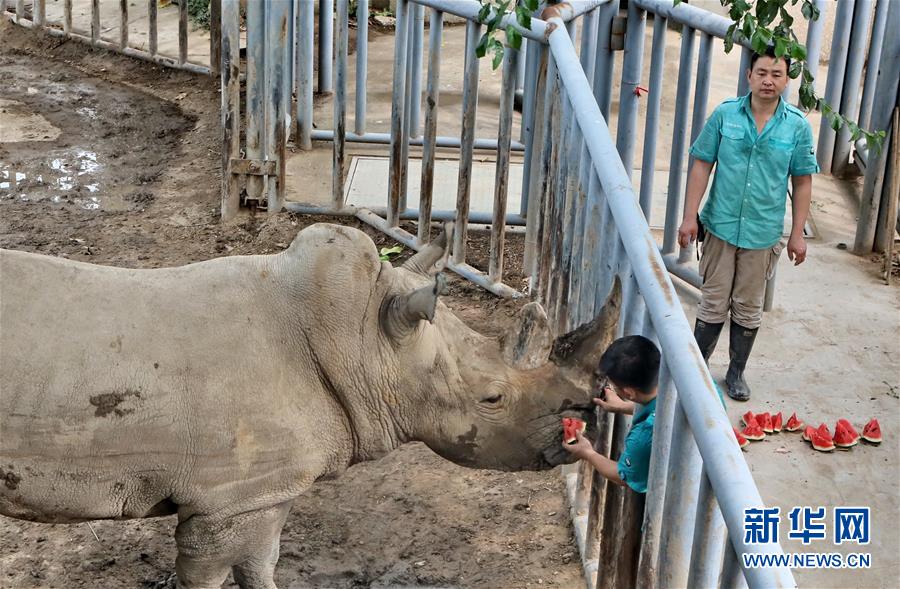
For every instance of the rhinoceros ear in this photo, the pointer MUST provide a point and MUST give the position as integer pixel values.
(400, 314)
(527, 345)
(582, 347)
(433, 257)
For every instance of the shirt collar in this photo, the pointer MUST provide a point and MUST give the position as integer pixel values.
(780, 110)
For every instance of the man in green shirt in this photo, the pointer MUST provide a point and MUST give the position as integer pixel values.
(756, 142)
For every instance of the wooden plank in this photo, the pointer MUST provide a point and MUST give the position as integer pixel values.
(230, 109)
(152, 17)
(215, 37)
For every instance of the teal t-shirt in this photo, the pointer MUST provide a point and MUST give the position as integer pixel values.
(747, 200)
(634, 463)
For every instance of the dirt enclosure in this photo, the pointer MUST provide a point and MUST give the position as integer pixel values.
(113, 161)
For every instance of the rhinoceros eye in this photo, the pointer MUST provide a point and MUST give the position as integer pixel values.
(493, 399)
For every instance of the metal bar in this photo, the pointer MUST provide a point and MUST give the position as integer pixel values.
(467, 141)
(95, 19)
(398, 103)
(215, 37)
(520, 67)
(873, 61)
(834, 87)
(535, 157)
(468, 272)
(709, 538)
(693, 17)
(569, 220)
(532, 57)
(603, 61)
(648, 571)
(415, 69)
(305, 24)
(40, 12)
(362, 64)
(590, 241)
(231, 105)
(682, 271)
(814, 38)
(540, 202)
(441, 141)
(182, 32)
(152, 28)
(501, 175)
(588, 48)
(469, 9)
(67, 16)
(123, 23)
(856, 55)
(612, 511)
(743, 87)
(729, 475)
(475, 217)
(732, 575)
(340, 103)
(20, 17)
(627, 548)
(886, 88)
(682, 103)
(577, 263)
(326, 42)
(407, 109)
(554, 227)
(278, 87)
(436, 26)
(629, 99)
(597, 498)
(651, 122)
(549, 192)
(256, 92)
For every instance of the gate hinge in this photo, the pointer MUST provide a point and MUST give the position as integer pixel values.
(254, 167)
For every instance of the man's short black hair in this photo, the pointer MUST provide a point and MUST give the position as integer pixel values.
(770, 52)
(632, 361)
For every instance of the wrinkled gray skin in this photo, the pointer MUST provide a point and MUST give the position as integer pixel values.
(220, 391)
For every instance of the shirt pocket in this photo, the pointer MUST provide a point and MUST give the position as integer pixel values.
(782, 145)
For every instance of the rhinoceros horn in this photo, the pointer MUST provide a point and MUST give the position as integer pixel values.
(582, 347)
(401, 314)
(528, 345)
(437, 251)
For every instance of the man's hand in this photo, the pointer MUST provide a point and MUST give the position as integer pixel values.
(796, 248)
(614, 403)
(687, 233)
(581, 449)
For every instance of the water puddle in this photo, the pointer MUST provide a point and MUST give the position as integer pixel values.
(68, 177)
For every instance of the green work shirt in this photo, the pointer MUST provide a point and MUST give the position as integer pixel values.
(634, 463)
(749, 191)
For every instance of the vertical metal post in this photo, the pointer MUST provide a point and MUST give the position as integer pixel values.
(627, 549)
(40, 12)
(231, 105)
(411, 16)
(679, 134)
(277, 64)
(326, 43)
(305, 34)
(436, 26)
(629, 99)
(67, 16)
(856, 55)
(743, 86)
(709, 538)
(340, 104)
(541, 201)
(152, 29)
(612, 511)
(123, 23)
(533, 52)
(182, 33)
(535, 157)
(603, 62)
(814, 38)
(680, 508)
(597, 499)
(873, 61)
(256, 95)
(415, 69)
(215, 37)
(732, 574)
(398, 102)
(501, 175)
(834, 87)
(588, 52)
(660, 454)
(467, 142)
(362, 64)
(95, 18)
(651, 122)
(559, 196)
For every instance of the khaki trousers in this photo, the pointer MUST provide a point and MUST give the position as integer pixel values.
(734, 279)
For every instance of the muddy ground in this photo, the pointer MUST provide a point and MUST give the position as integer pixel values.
(116, 162)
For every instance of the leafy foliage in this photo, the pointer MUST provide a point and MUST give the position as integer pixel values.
(491, 15)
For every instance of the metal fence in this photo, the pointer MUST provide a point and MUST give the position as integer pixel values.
(59, 21)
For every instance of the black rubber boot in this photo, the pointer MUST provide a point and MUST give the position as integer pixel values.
(707, 336)
(741, 344)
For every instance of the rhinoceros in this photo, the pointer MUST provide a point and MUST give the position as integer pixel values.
(221, 390)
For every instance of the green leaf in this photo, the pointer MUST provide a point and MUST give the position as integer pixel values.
(758, 42)
(798, 51)
(513, 37)
(749, 28)
(531, 5)
(523, 17)
(484, 13)
(781, 48)
(729, 38)
(786, 19)
(836, 122)
(498, 56)
(677, 2)
(807, 10)
(481, 49)
(796, 68)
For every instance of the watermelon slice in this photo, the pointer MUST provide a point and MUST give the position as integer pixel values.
(748, 418)
(821, 439)
(765, 422)
(753, 432)
(808, 432)
(571, 425)
(741, 440)
(777, 422)
(793, 424)
(872, 432)
(844, 434)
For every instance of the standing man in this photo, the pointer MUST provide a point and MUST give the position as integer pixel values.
(756, 142)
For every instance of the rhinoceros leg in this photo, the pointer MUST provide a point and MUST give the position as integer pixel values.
(209, 546)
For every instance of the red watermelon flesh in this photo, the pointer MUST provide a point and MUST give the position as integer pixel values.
(793, 424)
(872, 432)
(808, 433)
(571, 425)
(844, 434)
(821, 439)
(753, 432)
(748, 418)
(777, 422)
(741, 440)
(765, 422)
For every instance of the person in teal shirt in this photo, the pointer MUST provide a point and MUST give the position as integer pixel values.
(631, 366)
(756, 143)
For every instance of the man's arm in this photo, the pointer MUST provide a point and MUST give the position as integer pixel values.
(802, 196)
(698, 179)
(583, 449)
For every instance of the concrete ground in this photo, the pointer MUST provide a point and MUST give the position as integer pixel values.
(828, 350)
